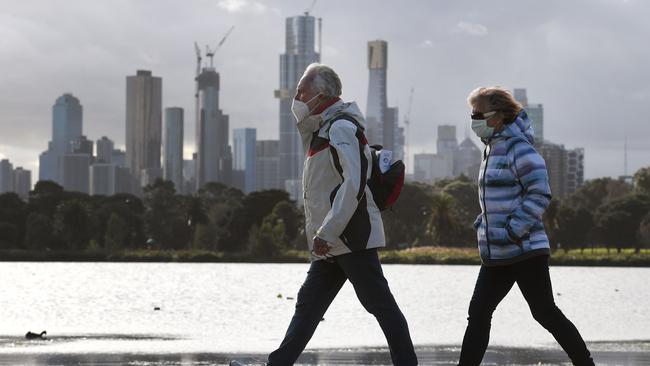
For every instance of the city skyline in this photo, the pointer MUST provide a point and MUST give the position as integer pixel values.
(574, 116)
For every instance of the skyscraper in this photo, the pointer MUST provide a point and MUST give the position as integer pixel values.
(22, 182)
(467, 160)
(535, 114)
(81, 145)
(520, 96)
(143, 122)
(244, 157)
(555, 156)
(118, 157)
(268, 161)
(390, 128)
(447, 147)
(575, 169)
(173, 147)
(377, 96)
(75, 172)
(428, 168)
(6, 176)
(214, 158)
(105, 147)
(299, 53)
(67, 117)
(102, 179)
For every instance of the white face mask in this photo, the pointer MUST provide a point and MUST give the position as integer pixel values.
(301, 109)
(481, 128)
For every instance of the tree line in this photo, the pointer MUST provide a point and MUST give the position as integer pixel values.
(603, 212)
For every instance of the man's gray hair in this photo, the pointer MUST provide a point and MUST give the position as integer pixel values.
(323, 79)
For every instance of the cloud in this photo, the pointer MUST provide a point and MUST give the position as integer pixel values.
(471, 29)
(242, 6)
(427, 43)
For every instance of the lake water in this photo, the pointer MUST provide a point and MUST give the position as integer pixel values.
(229, 308)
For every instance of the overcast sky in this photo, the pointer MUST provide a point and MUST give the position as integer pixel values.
(587, 61)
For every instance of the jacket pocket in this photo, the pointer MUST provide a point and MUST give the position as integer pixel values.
(499, 236)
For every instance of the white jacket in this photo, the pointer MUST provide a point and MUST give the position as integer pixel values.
(338, 203)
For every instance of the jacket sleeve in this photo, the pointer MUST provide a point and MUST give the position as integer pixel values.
(350, 160)
(530, 169)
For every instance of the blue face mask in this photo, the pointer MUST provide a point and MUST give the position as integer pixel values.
(481, 128)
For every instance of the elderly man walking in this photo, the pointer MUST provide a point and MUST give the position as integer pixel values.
(343, 224)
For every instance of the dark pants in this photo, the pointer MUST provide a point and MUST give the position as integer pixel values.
(324, 280)
(533, 279)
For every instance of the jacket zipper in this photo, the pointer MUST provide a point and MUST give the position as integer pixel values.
(487, 237)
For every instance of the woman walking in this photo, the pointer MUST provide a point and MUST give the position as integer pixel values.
(513, 194)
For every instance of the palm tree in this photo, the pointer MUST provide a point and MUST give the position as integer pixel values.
(443, 223)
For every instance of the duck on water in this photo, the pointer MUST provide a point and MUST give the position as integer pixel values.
(31, 335)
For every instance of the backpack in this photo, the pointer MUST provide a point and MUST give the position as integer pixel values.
(387, 186)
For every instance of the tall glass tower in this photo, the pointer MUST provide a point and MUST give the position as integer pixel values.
(173, 147)
(214, 159)
(143, 124)
(377, 104)
(299, 53)
(67, 116)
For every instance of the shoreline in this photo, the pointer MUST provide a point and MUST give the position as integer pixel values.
(419, 255)
(630, 353)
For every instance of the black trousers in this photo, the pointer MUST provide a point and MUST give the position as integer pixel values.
(324, 280)
(534, 281)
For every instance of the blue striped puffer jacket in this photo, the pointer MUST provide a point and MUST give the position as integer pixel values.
(513, 194)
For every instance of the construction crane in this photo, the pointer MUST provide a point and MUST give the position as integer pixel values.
(309, 10)
(210, 52)
(407, 124)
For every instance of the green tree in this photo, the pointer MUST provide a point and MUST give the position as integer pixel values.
(222, 216)
(164, 216)
(290, 216)
(270, 239)
(573, 227)
(195, 214)
(405, 222)
(644, 233)
(252, 211)
(72, 225)
(205, 237)
(39, 233)
(117, 233)
(443, 225)
(465, 209)
(597, 192)
(13, 214)
(130, 209)
(549, 219)
(642, 181)
(45, 197)
(618, 221)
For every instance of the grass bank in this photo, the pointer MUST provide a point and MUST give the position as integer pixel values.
(420, 255)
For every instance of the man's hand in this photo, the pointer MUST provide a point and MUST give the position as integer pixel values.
(321, 247)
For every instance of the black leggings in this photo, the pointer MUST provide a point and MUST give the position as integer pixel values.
(533, 279)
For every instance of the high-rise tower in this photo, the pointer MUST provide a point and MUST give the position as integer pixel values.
(214, 159)
(143, 124)
(299, 53)
(377, 99)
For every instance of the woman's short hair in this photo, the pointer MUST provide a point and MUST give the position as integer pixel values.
(323, 79)
(496, 98)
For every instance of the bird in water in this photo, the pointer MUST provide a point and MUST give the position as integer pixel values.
(31, 335)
